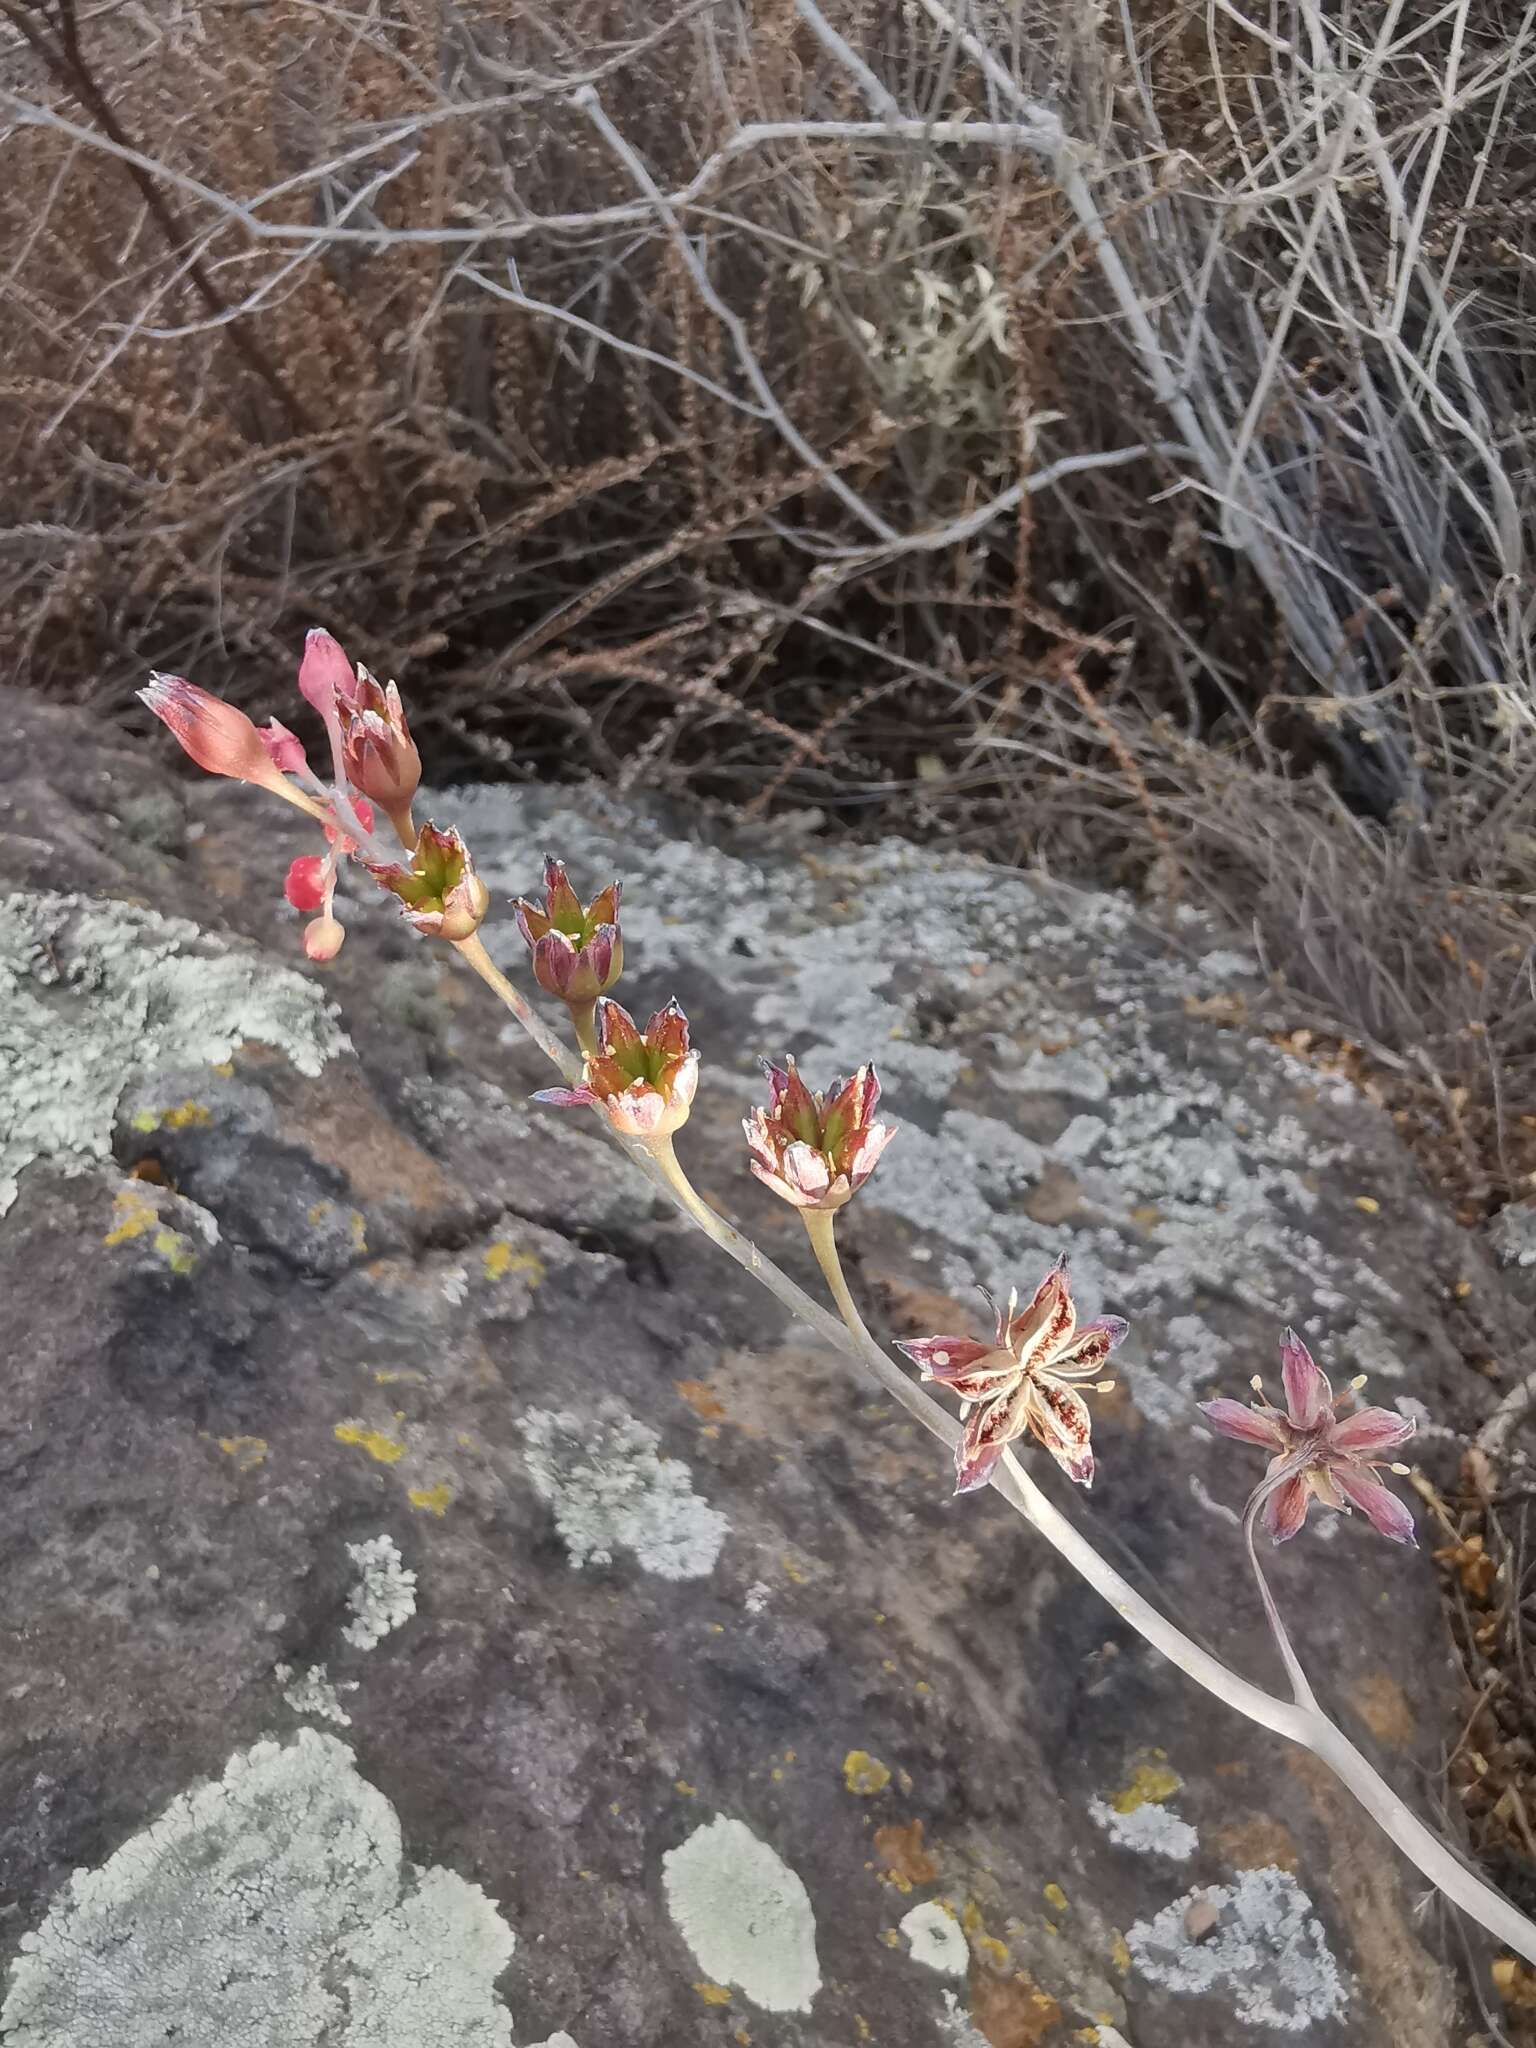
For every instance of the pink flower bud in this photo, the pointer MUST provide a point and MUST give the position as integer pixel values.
(323, 937)
(578, 953)
(217, 736)
(305, 885)
(439, 891)
(817, 1151)
(644, 1082)
(378, 752)
(326, 678)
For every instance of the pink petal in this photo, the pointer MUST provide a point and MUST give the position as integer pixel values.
(639, 1111)
(1370, 1430)
(1308, 1396)
(772, 1178)
(941, 1358)
(1378, 1503)
(1090, 1347)
(871, 1145)
(1286, 1508)
(988, 1432)
(285, 748)
(1248, 1425)
(1046, 1326)
(566, 1098)
(1059, 1418)
(974, 1468)
(806, 1171)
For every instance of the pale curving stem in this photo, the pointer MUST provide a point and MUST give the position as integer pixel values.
(1299, 1720)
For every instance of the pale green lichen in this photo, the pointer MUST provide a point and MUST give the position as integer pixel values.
(1267, 1952)
(384, 1597)
(312, 1694)
(272, 1909)
(611, 1491)
(745, 1915)
(937, 1940)
(96, 995)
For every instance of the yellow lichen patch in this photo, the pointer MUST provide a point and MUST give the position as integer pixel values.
(1369, 1204)
(1055, 1898)
(386, 1449)
(175, 1249)
(1149, 1784)
(500, 1260)
(864, 1774)
(135, 1213)
(137, 1216)
(983, 1944)
(866, 2031)
(357, 1230)
(432, 1500)
(682, 1785)
(795, 1573)
(713, 1994)
(247, 1451)
(890, 1937)
(183, 1116)
(396, 1379)
(1120, 1954)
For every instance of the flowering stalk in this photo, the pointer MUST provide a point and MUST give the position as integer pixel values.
(1299, 1720)
(815, 1153)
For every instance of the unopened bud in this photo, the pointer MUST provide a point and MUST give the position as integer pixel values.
(323, 937)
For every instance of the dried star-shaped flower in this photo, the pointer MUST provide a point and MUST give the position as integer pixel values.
(1024, 1380)
(578, 953)
(815, 1150)
(439, 891)
(1321, 1454)
(643, 1082)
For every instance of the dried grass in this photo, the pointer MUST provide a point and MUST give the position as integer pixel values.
(1099, 434)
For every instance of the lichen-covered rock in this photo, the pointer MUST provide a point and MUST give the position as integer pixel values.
(347, 1393)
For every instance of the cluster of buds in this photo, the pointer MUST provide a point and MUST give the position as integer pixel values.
(375, 768)
(816, 1150)
(642, 1081)
(578, 953)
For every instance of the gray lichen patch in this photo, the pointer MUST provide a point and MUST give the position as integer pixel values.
(384, 1597)
(96, 996)
(1267, 1954)
(312, 1695)
(611, 1491)
(745, 1915)
(272, 1909)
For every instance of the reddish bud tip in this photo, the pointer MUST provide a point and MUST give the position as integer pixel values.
(326, 677)
(219, 738)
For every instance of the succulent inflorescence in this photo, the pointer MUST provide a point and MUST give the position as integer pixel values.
(814, 1150)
